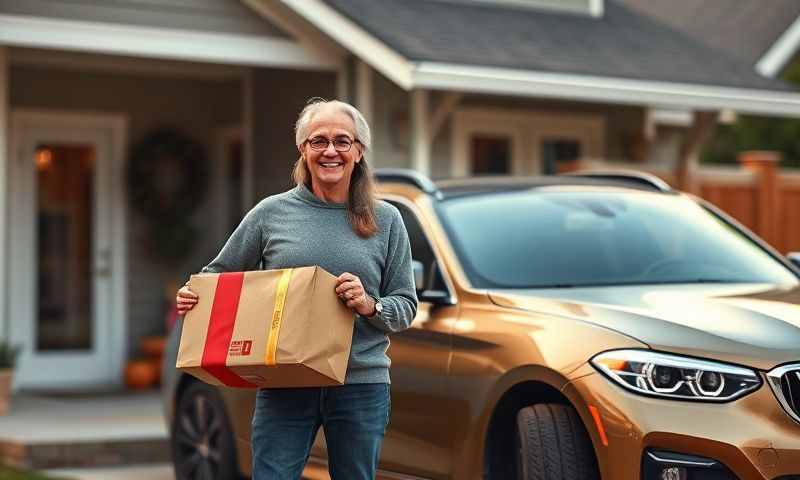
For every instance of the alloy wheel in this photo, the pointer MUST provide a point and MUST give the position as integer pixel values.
(197, 438)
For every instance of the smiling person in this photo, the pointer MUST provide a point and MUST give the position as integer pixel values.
(331, 219)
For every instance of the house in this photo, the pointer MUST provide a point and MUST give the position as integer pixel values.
(451, 87)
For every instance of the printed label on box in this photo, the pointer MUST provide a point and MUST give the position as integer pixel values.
(240, 347)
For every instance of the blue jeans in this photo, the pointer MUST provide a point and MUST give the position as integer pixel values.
(286, 420)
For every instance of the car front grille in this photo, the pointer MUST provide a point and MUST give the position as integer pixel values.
(785, 382)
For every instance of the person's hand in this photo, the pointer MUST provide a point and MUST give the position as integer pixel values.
(185, 300)
(350, 289)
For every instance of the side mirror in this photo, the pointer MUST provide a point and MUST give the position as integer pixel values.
(419, 274)
(794, 257)
(436, 297)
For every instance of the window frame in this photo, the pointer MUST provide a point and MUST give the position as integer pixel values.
(452, 298)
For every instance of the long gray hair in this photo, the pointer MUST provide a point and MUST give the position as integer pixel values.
(361, 194)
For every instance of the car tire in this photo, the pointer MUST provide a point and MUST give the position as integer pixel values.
(202, 439)
(553, 445)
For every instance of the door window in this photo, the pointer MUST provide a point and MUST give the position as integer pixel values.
(65, 178)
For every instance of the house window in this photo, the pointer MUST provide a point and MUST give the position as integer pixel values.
(491, 155)
(556, 152)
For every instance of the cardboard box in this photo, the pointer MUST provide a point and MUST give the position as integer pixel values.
(272, 328)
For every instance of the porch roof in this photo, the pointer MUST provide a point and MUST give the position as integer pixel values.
(622, 57)
(742, 28)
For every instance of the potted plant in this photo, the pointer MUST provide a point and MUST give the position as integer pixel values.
(8, 358)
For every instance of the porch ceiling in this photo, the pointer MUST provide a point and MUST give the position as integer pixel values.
(165, 43)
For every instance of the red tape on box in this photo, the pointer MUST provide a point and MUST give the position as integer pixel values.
(220, 330)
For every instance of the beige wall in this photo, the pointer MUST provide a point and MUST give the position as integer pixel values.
(391, 128)
(197, 107)
(623, 123)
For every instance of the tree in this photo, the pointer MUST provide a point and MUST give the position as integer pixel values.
(759, 133)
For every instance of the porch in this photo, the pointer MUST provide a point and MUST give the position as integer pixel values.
(82, 277)
(83, 430)
(111, 435)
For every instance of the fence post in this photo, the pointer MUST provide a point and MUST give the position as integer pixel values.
(765, 166)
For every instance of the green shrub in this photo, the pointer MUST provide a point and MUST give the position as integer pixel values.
(8, 354)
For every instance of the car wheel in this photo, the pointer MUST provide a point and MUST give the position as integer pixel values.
(553, 445)
(202, 439)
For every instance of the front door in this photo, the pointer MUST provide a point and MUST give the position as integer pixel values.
(62, 300)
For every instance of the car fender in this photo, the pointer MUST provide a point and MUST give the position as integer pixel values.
(469, 459)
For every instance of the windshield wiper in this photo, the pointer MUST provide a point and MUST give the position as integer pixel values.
(616, 284)
(693, 280)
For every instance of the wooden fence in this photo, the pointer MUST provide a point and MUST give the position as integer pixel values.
(757, 193)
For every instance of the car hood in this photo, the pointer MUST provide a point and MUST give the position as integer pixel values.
(749, 324)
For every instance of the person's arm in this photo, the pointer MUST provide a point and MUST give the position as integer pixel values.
(244, 248)
(398, 295)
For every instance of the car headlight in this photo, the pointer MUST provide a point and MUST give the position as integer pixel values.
(676, 377)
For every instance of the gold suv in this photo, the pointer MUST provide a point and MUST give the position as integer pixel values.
(595, 325)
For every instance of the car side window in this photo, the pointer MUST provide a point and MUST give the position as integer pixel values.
(421, 249)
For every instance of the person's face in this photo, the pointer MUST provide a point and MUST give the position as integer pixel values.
(329, 167)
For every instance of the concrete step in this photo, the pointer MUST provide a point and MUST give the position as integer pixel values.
(162, 471)
(69, 431)
(83, 454)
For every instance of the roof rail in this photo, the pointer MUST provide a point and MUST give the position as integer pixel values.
(408, 177)
(633, 177)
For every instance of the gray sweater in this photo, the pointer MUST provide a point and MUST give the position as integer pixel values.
(297, 229)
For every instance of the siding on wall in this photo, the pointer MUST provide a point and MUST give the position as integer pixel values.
(224, 16)
(196, 107)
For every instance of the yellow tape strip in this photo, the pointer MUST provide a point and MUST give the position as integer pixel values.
(277, 315)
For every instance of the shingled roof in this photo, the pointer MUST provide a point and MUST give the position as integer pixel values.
(745, 29)
(623, 43)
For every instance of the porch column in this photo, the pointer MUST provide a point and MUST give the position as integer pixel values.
(248, 136)
(420, 132)
(364, 90)
(5, 330)
(343, 82)
(364, 96)
(703, 124)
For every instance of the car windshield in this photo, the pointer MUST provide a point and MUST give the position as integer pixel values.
(545, 238)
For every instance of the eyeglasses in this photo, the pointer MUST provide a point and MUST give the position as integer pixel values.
(340, 144)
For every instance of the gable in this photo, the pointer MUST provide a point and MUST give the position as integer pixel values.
(744, 29)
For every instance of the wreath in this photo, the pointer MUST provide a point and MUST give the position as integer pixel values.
(167, 177)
